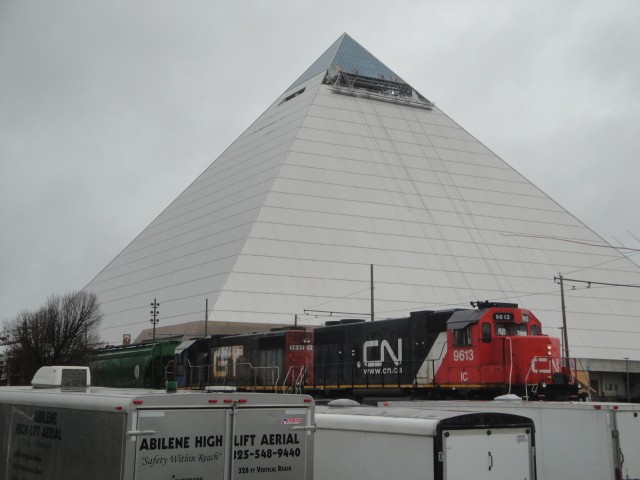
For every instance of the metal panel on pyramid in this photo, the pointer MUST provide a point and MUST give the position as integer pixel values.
(352, 167)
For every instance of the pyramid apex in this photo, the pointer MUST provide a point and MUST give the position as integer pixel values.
(347, 63)
(347, 55)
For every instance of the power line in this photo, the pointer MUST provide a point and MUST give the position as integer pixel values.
(569, 240)
(591, 282)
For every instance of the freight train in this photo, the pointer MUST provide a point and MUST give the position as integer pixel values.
(492, 349)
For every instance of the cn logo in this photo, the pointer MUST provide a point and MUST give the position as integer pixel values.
(374, 353)
(545, 365)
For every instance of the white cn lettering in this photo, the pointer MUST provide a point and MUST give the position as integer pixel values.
(545, 365)
(384, 347)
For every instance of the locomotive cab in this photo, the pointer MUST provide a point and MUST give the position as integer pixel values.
(501, 346)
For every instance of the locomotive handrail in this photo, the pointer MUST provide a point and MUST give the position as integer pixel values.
(286, 377)
(284, 381)
(300, 379)
(295, 382)
(510, 362)
(198, 368)
(526, 377)
(255, 373)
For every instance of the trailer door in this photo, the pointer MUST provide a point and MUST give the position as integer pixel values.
(272, 443)
(181, 443)
(491, 454)
(628, 425)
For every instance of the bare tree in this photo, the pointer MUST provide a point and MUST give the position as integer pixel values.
(64, 331)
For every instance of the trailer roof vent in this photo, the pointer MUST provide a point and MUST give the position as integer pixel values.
(62, 377)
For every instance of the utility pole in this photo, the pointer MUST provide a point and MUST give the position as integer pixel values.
(626, 364)
(372, 312)
(560, 280)
(155, 312)
(206, 316)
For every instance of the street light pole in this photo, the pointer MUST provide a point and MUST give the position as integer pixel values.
(155, 312)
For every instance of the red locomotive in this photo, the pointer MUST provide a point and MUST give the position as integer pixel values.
(501, 347)
(494, 349)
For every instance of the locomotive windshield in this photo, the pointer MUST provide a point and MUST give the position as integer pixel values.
(510, 329)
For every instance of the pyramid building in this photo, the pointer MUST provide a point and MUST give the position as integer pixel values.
(351, 167)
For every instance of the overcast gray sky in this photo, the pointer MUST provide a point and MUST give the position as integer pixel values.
(109, 109)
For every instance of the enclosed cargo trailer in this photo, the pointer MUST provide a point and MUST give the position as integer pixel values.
(627, 426)
(576, 440)
(361, 443)
(74, 432)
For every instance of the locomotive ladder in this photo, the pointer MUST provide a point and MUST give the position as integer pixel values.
(296, 385)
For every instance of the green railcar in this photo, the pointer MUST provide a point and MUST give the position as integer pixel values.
(133, 366)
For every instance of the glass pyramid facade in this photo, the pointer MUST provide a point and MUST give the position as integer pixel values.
(349, 56)
(351, 167)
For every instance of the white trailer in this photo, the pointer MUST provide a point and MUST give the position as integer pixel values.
(575, 440)
(115, 434)
(368, 443)
(627, 425)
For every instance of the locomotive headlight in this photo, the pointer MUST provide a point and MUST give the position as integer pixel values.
(549, 350)
(544, 385)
